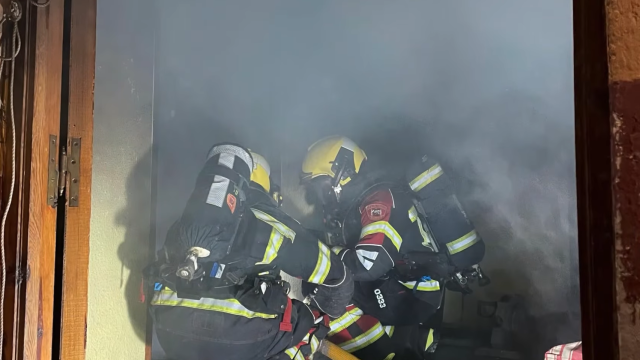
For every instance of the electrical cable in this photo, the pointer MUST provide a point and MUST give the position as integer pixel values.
(15, 49)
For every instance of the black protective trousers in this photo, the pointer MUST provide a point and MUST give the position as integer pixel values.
(194, 334)
(393, 304)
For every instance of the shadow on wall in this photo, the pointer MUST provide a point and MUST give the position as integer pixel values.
(134, 251)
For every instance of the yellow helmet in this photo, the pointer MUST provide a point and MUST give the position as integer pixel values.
(332, 156)
(261, 171)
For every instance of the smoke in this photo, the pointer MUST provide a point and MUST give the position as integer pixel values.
(484, 86)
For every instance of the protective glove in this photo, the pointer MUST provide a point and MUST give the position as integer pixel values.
(331, 300)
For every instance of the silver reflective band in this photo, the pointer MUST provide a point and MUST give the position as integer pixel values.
(241, 153)
(218, 191)
(284, 230)
(323, 265)
(463, 243)
(385, 228)
(426, 178)
(167, 297)
(431, 285)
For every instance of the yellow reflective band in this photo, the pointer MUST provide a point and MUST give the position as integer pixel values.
(429, 340)
(463, 243)
(364, 340)
(284, 230)
(344, 321)
(275, 241)
(384, 228)
(426, 239)
(390, 356)
(293, 353)
(431, 285)
(322, 265)
(167, 297)
(389, 330)
(413, 214)
(314, 344)
(426, 178)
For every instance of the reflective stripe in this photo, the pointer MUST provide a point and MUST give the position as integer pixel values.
(432, 285)
(429, 340)
(426, 239)
(384, 228)
(314, 344)
(426, 178)
(413, 214)
(366, 257)
(167, 297)
(336, 250)
(275, 241)
(322, 265)
(284, 230)
(344, 321)
(463, 243)
(294, 353)
(389, 330)
(363, 340)
(390, 356)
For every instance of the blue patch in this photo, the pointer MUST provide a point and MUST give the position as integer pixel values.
(214, 270)
(158, 287)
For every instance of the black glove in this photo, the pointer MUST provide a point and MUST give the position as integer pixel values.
(417, 265)
(330, 300)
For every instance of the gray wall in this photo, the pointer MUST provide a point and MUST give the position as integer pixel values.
(486, 86)
(121, 195)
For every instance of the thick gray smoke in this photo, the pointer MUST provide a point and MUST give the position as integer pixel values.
(485, 86)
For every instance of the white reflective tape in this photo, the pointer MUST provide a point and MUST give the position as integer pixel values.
(167, 297)
(384, 228)
(365, 339)
(368, 254)
(314, 344)
(284, 230)
(227, 160)
(345, 321)
(218, 191)
(463, 243)
(426, 178)
(271, 252)
(234, 150)
(413, 214)
(294, 353)
(389, 330)
(323, 264)
(431, 285)
(365, 262)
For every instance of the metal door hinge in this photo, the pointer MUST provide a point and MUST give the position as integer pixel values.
(64, 176)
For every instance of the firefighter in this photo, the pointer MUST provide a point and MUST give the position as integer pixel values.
(378, 228)
(262, 188)
(216, 290)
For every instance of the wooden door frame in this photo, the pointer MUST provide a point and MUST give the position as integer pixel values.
(593, 157)
(31, 226)
(81, 76)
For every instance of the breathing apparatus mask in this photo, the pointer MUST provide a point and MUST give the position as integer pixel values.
(328, 191)
(210, 228)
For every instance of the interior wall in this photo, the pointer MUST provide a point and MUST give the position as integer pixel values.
(121, 196)
(486, 87)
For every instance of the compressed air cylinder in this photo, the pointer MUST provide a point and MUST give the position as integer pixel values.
(444, 216)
